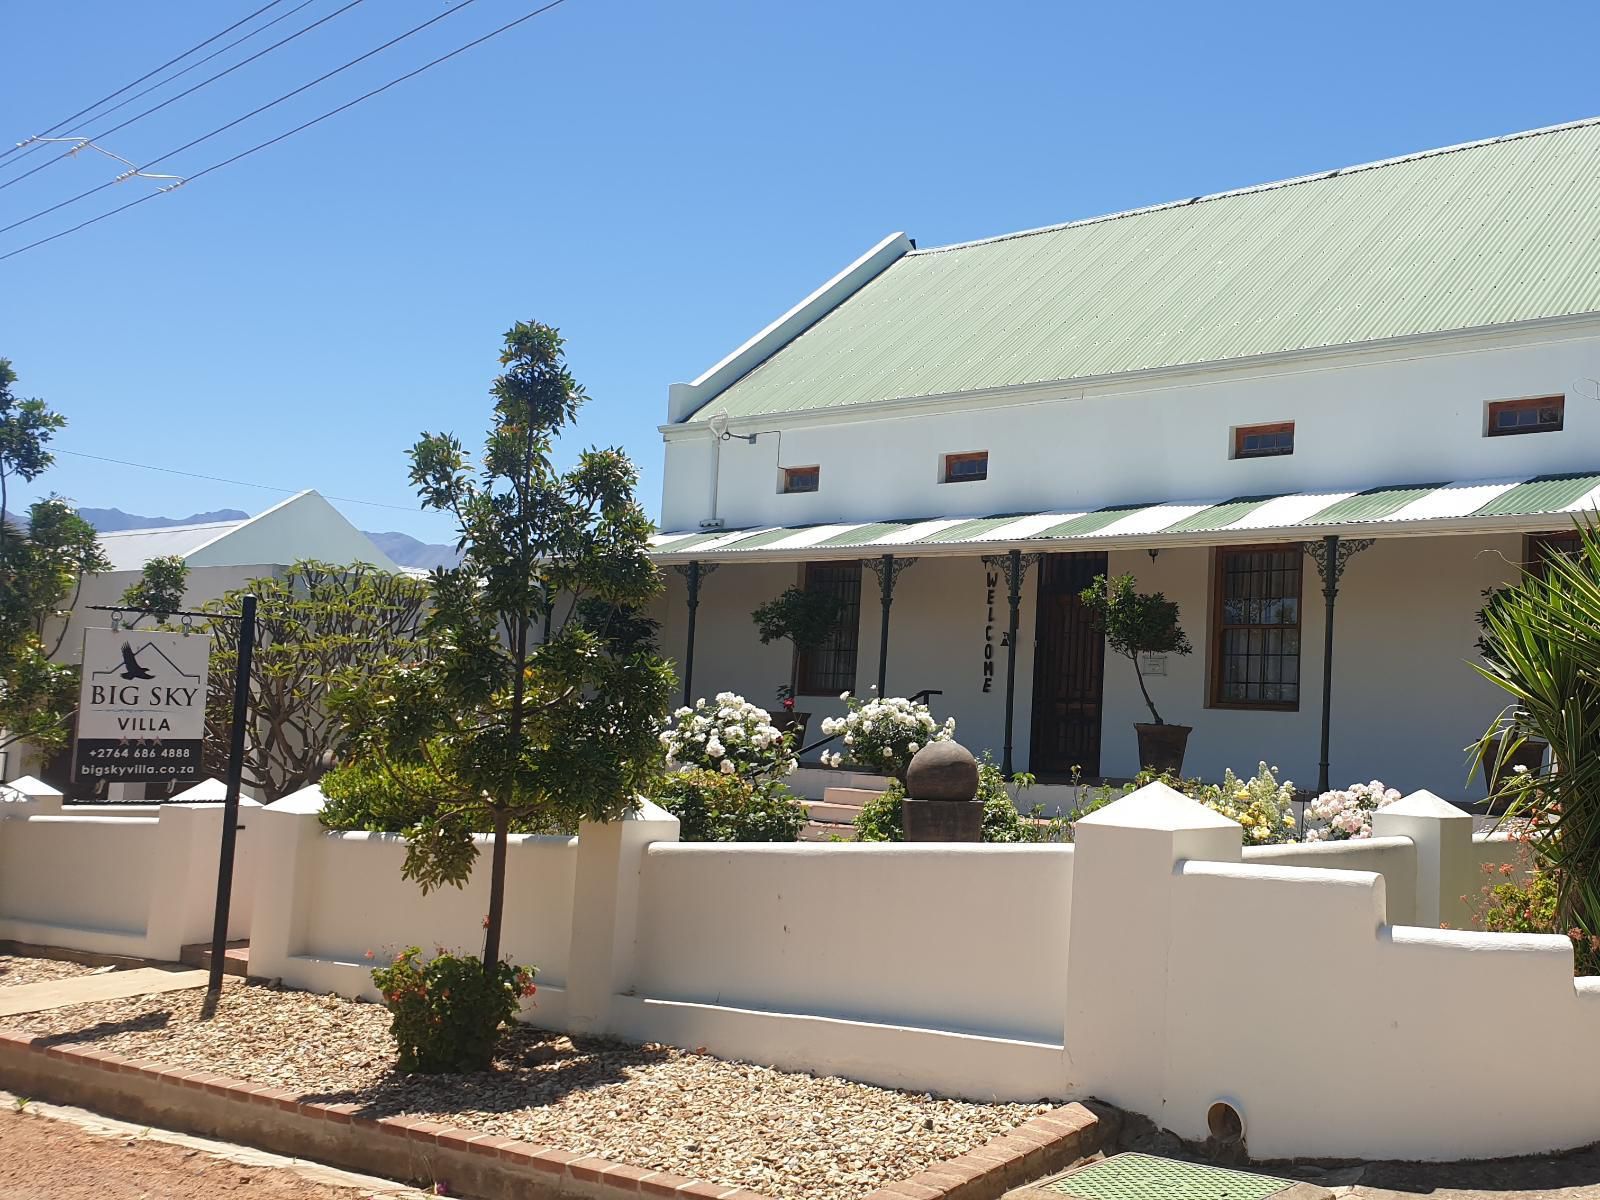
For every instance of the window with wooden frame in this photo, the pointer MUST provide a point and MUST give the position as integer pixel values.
(1536, 414)
(1263, 441)
(1255, 627)
(831, 667)
(967, 467)
(801, 479)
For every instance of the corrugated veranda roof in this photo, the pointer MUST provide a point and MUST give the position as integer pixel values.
(1552, 501)
(1487, 234)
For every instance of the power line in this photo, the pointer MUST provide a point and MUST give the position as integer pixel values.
(290, 133)
(253, 112)
(142, 78)
(172, 100)
(265, 487)
(161, 83)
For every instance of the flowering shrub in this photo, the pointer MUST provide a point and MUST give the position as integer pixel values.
(883, 733)
(446, 1012)
(1261, 805)
(731, 736)
(713, 807)
(1520, 898)
(1346, 814)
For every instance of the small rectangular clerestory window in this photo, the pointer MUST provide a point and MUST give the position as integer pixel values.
(1535, 414)
(1263, 441)
(967, 467)
(801, 479)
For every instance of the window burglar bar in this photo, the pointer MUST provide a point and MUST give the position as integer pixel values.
(230, 809)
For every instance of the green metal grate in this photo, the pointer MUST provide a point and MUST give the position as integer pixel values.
(1144, 1177)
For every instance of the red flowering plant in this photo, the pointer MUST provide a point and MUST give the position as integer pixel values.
(447, 1011)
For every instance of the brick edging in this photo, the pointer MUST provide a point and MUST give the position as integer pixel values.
(478, 1164)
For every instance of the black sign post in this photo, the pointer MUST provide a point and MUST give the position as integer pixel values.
(230, 808)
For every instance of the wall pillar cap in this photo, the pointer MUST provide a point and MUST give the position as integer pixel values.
(1424, 804)
(28, 787)
(306, 800)
(1157, 806)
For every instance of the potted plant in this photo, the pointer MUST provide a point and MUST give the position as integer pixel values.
(1136, 623)
(806, 620)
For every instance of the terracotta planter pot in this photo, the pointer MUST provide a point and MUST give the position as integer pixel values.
(1161, 747)
(796, 721)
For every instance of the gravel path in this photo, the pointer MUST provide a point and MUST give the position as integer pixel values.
(15, 969)
(790, 1136)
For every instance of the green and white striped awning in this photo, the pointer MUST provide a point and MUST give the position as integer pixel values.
(1399, 510)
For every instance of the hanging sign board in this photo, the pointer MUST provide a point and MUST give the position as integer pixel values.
(142, 706)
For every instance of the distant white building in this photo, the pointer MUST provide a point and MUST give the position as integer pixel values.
(221, 556)
(1395, 364)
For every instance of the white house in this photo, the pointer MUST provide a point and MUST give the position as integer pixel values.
(221, 556)
(1394, 365)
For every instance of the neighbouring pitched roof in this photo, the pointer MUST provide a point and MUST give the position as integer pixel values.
(1401, 509)
(1490, 233)
(130, 549)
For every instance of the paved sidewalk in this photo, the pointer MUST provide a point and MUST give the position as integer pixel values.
(88, 989)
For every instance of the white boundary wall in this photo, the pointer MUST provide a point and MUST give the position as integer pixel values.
(137, 880)
(1289, 982)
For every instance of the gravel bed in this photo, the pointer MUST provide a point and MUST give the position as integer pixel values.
(16, 968)
(790, 1136)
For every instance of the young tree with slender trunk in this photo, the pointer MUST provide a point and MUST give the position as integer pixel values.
(494, 726)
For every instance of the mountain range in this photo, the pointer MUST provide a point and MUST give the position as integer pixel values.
(401, 547)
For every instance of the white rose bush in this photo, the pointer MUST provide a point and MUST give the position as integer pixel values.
(882, 734)
(730, 736)
(1346, 813)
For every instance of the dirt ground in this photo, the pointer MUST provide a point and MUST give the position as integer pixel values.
(1573, 1176)
(45, 1158)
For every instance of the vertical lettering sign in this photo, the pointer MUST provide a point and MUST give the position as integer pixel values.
(142, 706)
(991, 584)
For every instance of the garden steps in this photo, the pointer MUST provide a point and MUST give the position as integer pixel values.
(827, 831)
(235, 959)
(842, 805)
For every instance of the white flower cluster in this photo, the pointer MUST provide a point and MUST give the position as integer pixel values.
(883, 733)
(729, 735)
(1346, 814)
(1261, 805)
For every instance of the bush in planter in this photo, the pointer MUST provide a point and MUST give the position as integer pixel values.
(1346, 813)
(883, 733)
(447, 1012)
(1136, 623)
(807, 620)
(713, 807)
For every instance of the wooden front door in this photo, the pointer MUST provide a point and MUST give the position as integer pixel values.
(1068, 669)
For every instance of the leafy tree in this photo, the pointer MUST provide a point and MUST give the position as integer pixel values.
(42, 566)
(319, 629)
(805, 619)
(1135, 623)
(499, 728)
(159, 588)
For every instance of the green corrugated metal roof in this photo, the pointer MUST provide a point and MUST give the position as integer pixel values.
(1550, 501)
(1547, 493)
(1371, 505)
(1486, 234)
(1219, 515)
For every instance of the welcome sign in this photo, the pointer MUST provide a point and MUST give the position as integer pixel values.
(142, 706)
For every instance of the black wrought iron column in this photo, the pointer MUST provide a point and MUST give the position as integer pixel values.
(887, 569)
(1330, 554)
(693, 573)
(1016, 566)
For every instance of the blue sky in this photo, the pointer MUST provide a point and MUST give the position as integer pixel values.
(657, 179)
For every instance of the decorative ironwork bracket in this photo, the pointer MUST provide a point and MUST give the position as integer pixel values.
(705, 568)
(895, 565)
(1002, 562)
(1347, 549)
